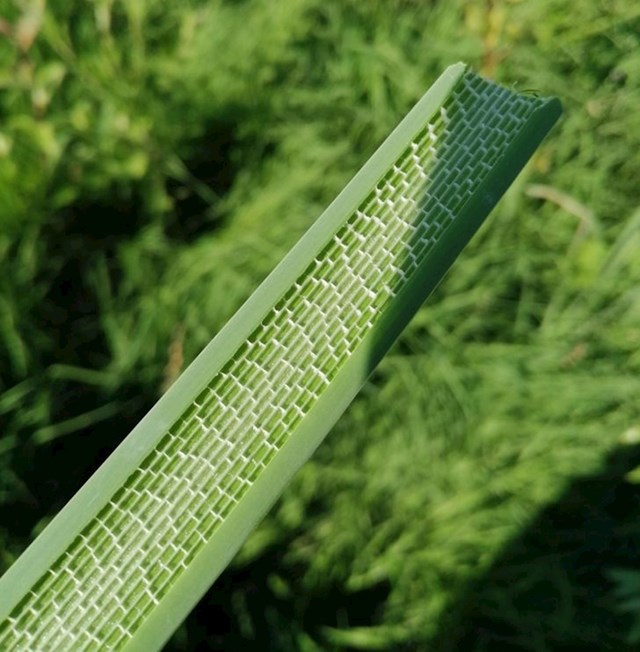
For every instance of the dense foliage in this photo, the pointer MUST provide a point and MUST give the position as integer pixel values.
(158, 158)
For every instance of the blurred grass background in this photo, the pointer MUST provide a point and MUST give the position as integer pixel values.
(157, 158)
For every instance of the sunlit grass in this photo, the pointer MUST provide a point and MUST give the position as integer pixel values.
(543, 299)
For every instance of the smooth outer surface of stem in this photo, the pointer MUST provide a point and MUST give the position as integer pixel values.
(125, 561)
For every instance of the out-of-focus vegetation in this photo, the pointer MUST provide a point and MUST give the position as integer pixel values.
(157, 159)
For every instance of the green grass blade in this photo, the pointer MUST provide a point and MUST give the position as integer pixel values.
(133, 551)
